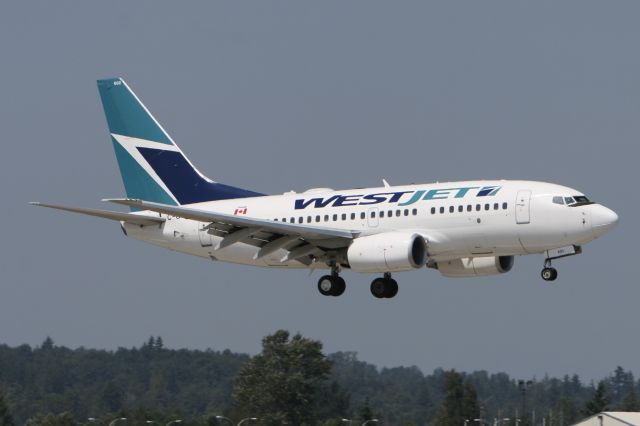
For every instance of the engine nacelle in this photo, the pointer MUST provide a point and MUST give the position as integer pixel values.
(475, 266)
(387, 252)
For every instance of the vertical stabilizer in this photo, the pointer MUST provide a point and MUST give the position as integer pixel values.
(152, 166)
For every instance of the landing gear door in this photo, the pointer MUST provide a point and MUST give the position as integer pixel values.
(204, 235)
(522, 207)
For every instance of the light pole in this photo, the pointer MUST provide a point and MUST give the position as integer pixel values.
(497, 422)
(114, 421)
(370, 421)
(224, 418)
(246, 420)
(481, 421)
(524, 385)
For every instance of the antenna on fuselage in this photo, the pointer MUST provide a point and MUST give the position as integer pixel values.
(385, 183)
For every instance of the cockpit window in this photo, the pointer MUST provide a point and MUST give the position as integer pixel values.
(558, 200)
(577, 200)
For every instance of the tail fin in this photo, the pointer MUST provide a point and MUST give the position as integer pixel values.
(152, 166)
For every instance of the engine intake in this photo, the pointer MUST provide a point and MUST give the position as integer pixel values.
(475, 266)
(387, 252)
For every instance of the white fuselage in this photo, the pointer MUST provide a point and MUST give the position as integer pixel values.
(457, 219)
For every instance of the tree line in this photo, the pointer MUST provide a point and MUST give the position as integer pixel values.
(290, 382)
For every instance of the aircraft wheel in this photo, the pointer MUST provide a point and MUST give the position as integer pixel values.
(339, 287)
(549, 274)
(391, 288)
(331, 285)
(378, 288)
(326, 285)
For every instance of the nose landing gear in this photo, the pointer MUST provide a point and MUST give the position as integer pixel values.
(385, 287)
(549, 273)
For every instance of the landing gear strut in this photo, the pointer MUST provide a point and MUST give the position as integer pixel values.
(332, 285)
(548, 273)
(385, 287)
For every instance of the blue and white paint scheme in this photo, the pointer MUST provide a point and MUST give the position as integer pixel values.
(461, 229)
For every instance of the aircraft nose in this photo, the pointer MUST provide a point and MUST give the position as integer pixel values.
(603, 220)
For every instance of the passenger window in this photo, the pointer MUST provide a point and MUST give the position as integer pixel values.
(293, 220)
(362, 215)
(335, 217)
(381, 213)
(318, 218)
(460, 209)
(353, 216)
(441, 210)
(406, 212)
(433, 210)
(558, 200)
(496, 206)
(326, 218)
(487, 206)
(284, 219)
(504, 206)
(469, 207)
(478, 207)
(398, 212)
(344, 216)
(275, 220)
(414, 211)
(308, 219)
(300, 219)
(390, 213)
(451, 209)
(373, 214)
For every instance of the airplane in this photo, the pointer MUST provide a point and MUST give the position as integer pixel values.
(461, 229)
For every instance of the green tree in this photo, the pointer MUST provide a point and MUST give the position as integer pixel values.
(281, 383)
(62, 419)
(5, 416)
(599, 402)
(631, 402)
(460, 401)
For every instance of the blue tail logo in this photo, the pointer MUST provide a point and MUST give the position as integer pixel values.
(152, 166)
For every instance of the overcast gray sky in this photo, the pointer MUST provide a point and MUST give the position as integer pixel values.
(273, 96)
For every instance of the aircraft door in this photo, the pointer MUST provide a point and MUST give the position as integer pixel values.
(523, 214)
(372, 217)
(204, 235)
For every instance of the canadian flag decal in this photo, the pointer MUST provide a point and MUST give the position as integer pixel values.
(240, 210)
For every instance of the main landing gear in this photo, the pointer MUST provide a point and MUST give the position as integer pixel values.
(385, 287)
(331, 285)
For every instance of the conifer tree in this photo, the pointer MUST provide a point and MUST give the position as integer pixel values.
(5, 416)
(599, 402)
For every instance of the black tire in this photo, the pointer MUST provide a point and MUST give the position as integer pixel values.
(378, 288)
(391, 288)
(549, 274)
(339, 287)
(326, 285)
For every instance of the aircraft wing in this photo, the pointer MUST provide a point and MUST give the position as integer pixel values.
(300, 240)
(105, 214)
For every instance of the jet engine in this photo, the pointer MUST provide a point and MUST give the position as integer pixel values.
(387, 252)
(475, 266)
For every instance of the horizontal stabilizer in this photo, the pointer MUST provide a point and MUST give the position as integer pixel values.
(123, 217)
